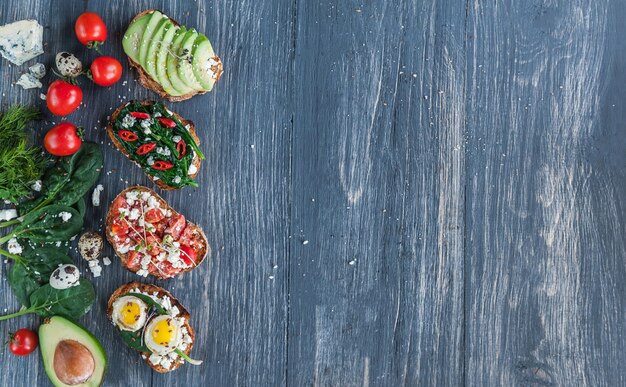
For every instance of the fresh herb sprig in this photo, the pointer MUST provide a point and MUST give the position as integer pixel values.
(21, 164)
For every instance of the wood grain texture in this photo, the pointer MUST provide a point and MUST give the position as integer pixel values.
(376, 276)
(415, 192)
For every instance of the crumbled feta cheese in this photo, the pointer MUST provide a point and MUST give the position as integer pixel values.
(145, 195)
(146, 124)
(8, 214)
(95, 195)
(150, 160)
(65, 215)
(192, 169)
(176, 139)
(157, 114)
(142, 272)
(106, 261)
(123, 249)
(95, 268)
(155, 359)
(36, 186)
(134, 214)
(14, 247)
(163, 151)
(128, 121)
(132, 196)
(176, 180)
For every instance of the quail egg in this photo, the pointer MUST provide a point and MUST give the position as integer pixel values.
(68, 64)
(90, 245)
(162, 335)
(65, 276)
(129, 313)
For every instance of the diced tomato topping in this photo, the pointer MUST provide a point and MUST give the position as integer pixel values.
(188, 236)
(136, 234)
(154, 215)
(160, 227)
(177, 225)
(188, 255)
(152, 242)
(133, 259)
(165, 269)
(141, 115)
(119, 227)
(168, 123)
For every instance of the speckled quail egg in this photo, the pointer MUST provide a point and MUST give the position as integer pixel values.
(68, 65)
(129, 313)
(162, 334)
(90, 245)
(65, 276)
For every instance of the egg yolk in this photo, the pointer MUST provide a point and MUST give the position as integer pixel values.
(163, 332)
(130, 313)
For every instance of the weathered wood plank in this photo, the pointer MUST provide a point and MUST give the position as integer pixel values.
(376, 277)
(545, 203)
(238, 297)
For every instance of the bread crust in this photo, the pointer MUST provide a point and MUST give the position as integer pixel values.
(192, 131)
(124, 256)
(147, 288)
(146, 79)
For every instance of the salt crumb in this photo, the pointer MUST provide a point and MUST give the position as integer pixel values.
(305, 242)
(351, 263)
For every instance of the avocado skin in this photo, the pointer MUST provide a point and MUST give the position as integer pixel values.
(57, 328)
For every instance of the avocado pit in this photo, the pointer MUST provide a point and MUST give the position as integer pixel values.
(73, 362)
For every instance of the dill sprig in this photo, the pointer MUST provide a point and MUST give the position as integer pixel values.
(21, 164)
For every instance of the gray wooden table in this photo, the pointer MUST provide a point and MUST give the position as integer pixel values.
(396, 192)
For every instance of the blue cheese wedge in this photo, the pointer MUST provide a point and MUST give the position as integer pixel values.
(21, 41)
(28, 81)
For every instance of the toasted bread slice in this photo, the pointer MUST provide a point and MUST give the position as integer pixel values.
(150, 289)
(150, 83)
(192, 131)
(201, 255)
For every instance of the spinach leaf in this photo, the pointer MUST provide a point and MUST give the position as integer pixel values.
(25, 279)
(70, 179)
(47, 224)
(72, 302)
(150, 301)
(81, 207)
(135, 340)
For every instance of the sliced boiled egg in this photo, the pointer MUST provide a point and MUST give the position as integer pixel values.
(162, 335)
(129, 313)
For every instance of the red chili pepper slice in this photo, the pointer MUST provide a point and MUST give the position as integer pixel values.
(127, 135)
(168, 123)
(141, 115)
(162, 165)
(181, 148)
(146, 148)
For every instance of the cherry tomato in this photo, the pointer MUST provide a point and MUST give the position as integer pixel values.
(146, 148)
(90, 29)
(188, 255)
(142, 115)
(154, 215)
(127, 135)
(63, 97)
(105, 71)
(168, 123)
(63, 140)
(23, 342)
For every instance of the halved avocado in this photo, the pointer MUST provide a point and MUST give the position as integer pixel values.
(185, 72)
(155, 18)
(161, 61)
(71, 355)
(202, 55)
(155, 43)
(173, 62)
(132, 38)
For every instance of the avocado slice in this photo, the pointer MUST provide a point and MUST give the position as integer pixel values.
(71, 355)
(155, 43)
(172, 63)
(203, 55)
(132, 38)
(185, 72)
(148, 33)
(161, 60)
